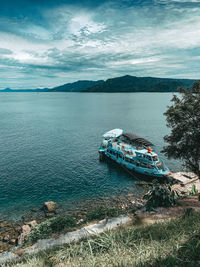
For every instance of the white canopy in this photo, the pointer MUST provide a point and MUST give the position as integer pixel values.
(113, 133)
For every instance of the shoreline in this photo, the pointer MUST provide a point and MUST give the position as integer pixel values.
(11, 230)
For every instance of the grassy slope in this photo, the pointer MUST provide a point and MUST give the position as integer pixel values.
(174, 243)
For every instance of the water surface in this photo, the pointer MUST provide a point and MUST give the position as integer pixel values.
(49, 145)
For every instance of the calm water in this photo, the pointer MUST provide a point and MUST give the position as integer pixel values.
(49, 145)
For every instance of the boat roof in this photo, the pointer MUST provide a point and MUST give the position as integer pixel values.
(113, 133)
(137, 139)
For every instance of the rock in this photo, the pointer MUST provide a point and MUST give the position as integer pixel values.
(50, 206)
(35, 209)
(18, 229)
(49, 214)
(12, 241)
(32, 223)
(25, 231)
(6, 238)
(4, 246)
(39, 216)
(3, 224)
(19, 252)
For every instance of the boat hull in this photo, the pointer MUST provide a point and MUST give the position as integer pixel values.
(132, 169)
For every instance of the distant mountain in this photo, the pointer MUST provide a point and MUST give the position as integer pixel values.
(76, 86)
(120, 84)
(68, 87)
(140, 84)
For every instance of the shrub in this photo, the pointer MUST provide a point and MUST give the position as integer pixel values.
(160, 196)
(193, 191)
(39, 231)
(62, 223)
(54, 225)
(102, 212)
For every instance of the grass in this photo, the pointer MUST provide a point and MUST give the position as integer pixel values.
(63, 224)
(166, 244)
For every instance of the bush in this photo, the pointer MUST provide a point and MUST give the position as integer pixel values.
(62, 223)
(54, 225)
(160, 196)
(102, 212)
(194, 190)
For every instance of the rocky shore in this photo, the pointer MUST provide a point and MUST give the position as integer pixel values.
(12, 233)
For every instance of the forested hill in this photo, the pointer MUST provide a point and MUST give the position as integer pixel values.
(140, 84)
(76, 86)
(120, 84)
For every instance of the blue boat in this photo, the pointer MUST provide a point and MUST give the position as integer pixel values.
(132, 152)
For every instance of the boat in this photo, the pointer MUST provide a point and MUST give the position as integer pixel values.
(132, 152)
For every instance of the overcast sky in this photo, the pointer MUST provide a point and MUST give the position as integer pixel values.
(44, 43)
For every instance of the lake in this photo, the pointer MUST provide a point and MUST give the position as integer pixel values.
(49, 145)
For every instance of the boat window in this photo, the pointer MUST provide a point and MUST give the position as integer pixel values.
(155, 158)
(121, 156)
(143, 165)
(148, 157)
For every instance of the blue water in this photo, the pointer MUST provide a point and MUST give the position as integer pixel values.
(49, 145)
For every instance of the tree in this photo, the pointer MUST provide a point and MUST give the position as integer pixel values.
(183, 117)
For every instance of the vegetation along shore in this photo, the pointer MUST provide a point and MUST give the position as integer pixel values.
(161, 204)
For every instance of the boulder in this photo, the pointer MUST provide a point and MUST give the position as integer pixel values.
(32, 223)
(25, 231)
(6, 238)
(50, 206)
(12, 241)
(18, 229)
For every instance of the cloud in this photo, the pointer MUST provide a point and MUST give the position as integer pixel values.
(67, 42)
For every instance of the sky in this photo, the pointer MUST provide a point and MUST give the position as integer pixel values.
(45, 43)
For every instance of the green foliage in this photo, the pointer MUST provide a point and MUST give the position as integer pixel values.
(187, 212)
(66, 223)
(183, 117)
(193, 191)
(54, 225)
(160, 196)
(170, 243)
(103, 212)
(130, 83)
(60, 223)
